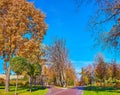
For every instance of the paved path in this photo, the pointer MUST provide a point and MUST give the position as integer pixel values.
(65, 91)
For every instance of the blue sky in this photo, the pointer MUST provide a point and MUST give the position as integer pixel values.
(64, 20)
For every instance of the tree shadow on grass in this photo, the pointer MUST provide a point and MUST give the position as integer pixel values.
(36, 88)
(22, 89)
(19, 89)
(2, 87)
(114, 91)
(78, 87)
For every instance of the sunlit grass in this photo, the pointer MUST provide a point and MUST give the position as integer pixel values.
(100, 91)
(23, 91)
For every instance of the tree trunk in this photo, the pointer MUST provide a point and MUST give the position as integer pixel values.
(16, 85)
(30, 84)
(7, 79)
(35, 81)
(74, 82)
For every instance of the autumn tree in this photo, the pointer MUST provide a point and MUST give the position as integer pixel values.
(109, 71)
(90, 73)
(20, 21)
(70, 75)
(34, 51)
(18, 65)
(112, 71)
(100, 69)
(115, 71)
(84, 77)
(87, 75)
(51, 76)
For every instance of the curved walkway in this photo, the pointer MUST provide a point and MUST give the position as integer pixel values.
(65, 91)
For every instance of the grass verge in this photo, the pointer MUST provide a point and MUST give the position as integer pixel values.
(24, 91)
(93, 90)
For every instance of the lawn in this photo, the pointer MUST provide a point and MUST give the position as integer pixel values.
(24, 91)
(101, 91)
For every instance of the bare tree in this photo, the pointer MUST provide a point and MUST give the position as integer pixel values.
(59, 59)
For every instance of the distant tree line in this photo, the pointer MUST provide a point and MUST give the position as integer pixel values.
(101, 73)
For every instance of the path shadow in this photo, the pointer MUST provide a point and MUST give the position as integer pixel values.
(78, 87)
(48, 87)
(27, 88)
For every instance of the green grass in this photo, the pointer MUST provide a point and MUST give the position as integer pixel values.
(100, 91)
(24, 91)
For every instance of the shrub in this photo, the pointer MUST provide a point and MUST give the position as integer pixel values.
(109, 85)
(12, 82)
(20, 82)
(2, 81)
(117, 85)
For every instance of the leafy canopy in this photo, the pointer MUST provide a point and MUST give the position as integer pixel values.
(18, 64)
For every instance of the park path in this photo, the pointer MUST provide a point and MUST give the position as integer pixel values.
(65, 91)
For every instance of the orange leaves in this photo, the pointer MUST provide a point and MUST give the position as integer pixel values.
(16, 18)
(32, 51)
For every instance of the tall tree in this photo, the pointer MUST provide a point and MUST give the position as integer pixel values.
(34, 52)
(59, 59)
(33, 70)
(18, 65)
(17, 26)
